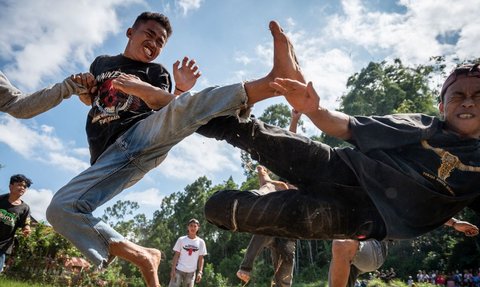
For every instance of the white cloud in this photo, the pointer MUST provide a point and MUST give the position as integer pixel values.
(57, 35)
(188, 5)
(38, 200)
(242, 58)
(151, 196)
(197, 156)
(411, 36)
(38, 144)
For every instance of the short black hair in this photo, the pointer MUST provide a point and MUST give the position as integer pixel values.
(20, 178)
(467, 70)
(159, 18)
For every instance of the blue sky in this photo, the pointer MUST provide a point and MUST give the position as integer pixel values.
(44, 41)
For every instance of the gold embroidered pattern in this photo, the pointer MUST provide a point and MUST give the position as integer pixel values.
(449, 162)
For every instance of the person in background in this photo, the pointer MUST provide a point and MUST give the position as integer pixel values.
(14, 214)
(187, 263)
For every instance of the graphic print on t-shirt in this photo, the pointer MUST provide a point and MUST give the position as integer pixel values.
(7, 218)
(190, 249)
(109, 102)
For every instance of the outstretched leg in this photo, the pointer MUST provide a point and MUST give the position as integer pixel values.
(285, 65)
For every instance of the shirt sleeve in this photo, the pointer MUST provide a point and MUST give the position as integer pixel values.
(161, 78)
(392, 131)
(25, 218)
(203, 248)
(178, 245)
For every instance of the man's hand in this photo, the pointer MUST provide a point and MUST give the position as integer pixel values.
(129, 84)
(199, 277)
(88, 82)
(303, 98)
(26, 230)
(185, 76)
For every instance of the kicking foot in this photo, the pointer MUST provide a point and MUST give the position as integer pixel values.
(285, 63)
(243, 275)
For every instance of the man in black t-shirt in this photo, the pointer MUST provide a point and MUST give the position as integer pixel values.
(129, 88)
(14, 214)
(132, 126)
(406, 175)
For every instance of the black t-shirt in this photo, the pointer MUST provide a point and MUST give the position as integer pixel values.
(114, 112)
(417, 174)
(11, 218)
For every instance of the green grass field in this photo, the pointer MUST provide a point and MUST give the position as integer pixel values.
(4, 282)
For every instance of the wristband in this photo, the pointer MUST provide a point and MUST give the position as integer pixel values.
(181, 91)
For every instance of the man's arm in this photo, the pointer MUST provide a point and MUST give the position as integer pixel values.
(305, 99)
(462, 226)
(199, 269)
(294, 122)
(154, 97)
(174, 264)
(24, 106)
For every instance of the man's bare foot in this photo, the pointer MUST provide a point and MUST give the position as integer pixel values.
(149, 268)
(146, 259)
(243, 275)
(285, 65)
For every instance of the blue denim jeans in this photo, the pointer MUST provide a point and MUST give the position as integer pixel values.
(328, 204)
(2, 260)
(140, 149)
(283, 257)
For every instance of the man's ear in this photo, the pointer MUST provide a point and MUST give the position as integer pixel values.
(441, 107)
(129, 32)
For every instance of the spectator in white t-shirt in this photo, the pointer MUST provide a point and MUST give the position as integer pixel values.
(187, 264)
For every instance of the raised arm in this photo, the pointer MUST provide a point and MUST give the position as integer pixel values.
(294, 122)
(303, 98)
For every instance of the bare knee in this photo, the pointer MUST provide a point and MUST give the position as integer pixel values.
(344, 249)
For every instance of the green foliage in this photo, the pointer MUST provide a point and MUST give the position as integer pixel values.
(278, 115)
(383, 88)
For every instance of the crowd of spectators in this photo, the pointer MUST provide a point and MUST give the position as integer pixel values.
(467, 278)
